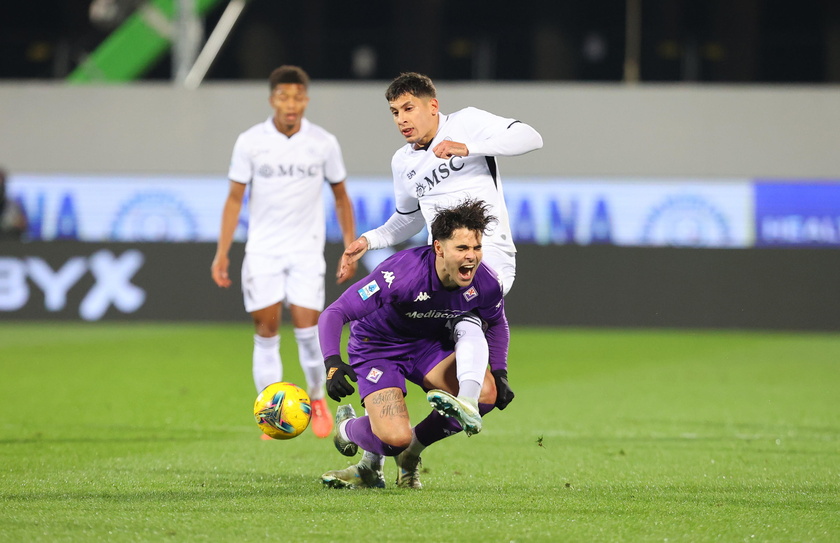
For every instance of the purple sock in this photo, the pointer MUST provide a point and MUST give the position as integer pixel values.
(360, 433)
(436, 427)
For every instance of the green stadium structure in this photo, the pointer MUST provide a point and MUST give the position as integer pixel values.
(136, 45)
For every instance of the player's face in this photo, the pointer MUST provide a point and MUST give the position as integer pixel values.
(416, 118)
(289, 101)
(458, 257)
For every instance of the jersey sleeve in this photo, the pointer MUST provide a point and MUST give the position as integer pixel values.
(366, 296)
(404, 201)
(362, 298)
(491, 135)
(398, 228)
(334, 169)
(405, 222)
(241, 169)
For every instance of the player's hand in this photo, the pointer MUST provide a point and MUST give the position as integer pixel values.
(504, 394)
(219, 271)
(337, 385)
(353, 252)
(349, 270)
(449, 149)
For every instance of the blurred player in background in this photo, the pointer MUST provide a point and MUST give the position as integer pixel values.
(13, 223)
(446, 159)
(403, 317)
(285, 160)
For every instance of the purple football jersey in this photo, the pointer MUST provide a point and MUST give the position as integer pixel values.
(403, 300)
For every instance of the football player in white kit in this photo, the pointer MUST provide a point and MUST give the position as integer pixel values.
(448, 159)
(285, 160)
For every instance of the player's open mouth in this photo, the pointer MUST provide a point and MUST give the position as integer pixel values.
(407, 131)
(465, 272)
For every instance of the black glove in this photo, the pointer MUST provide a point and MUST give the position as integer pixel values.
(337, 386)
(504, 394)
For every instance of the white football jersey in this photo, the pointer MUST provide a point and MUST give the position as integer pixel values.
(286, 177)
(424, 181)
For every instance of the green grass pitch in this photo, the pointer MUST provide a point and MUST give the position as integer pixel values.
(144, 432)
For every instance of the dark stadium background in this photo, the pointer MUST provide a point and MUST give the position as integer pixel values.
(733, 41)
(706, 48)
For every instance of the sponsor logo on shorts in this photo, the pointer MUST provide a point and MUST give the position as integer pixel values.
(470, 294)
(368, 290)
(374, 375)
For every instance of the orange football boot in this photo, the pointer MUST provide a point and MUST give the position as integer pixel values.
(322, 419)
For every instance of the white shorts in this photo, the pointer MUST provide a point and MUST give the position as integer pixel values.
(503, 263)
(295, 279)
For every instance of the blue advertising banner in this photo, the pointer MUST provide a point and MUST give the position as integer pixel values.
(630, 212)
(798, 214)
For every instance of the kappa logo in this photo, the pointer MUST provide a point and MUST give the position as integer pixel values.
(389, 277)
(422, 297)
(374, 375)
(470, 294)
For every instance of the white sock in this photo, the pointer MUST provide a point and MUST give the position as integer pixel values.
(311, 361)
(342, 430)
(266, 365)
(471, 357)
(373, 460)
(415, 447)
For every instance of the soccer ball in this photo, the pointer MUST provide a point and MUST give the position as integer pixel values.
(282, 410)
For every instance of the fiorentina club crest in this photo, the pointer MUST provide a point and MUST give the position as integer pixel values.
(470, 294)
(374, 375)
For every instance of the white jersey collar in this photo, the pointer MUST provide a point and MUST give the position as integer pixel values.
(269, 127)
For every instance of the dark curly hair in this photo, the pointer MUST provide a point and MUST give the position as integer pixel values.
(469, 214)
(288, 74)
(412, 83)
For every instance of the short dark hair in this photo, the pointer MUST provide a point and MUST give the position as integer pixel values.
(288, 74)
(469, 214)
(418, 85)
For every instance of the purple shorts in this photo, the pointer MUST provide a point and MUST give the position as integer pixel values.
(381, 365)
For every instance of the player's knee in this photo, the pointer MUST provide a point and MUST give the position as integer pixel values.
(395, 437)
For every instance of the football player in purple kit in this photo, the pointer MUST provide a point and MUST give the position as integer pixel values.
(403, 318)
(447, 158)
